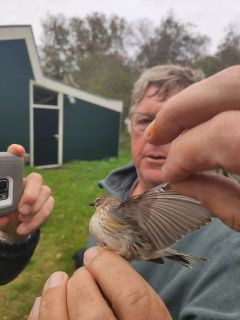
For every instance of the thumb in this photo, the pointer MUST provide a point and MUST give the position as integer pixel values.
(16, 149)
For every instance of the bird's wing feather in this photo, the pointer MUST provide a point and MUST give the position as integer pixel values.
(164, 215)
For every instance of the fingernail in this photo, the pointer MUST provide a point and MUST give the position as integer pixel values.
(36, 307)
(22, 229)
(90, 254)
(55, 280)
(148, 131)
(25, 209)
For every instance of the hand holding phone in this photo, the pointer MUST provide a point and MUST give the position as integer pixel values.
(11, 178)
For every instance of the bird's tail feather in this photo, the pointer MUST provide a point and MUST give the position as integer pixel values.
(182, 258)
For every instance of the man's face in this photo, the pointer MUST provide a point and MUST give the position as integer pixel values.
(147, 158)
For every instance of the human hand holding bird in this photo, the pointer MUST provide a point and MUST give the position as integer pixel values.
(144, 227)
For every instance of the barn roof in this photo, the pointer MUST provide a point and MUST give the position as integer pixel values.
(25, 32)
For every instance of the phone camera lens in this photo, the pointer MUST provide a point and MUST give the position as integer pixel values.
(3, 189)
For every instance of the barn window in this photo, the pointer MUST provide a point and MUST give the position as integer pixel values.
(44, 96)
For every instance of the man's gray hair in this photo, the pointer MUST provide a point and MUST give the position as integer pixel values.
(165, 78)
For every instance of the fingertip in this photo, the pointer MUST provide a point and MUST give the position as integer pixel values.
(78, 272)
(56, 279)
(25, 209)
(36, 177)
(149, 130)
(23, 229)
(31, 191)
(90, 254)
(152, 134)
(17, 149)
(36, 308)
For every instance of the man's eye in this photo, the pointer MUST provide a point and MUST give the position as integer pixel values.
(143, 121)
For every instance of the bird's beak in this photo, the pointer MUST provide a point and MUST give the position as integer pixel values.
(92, 204)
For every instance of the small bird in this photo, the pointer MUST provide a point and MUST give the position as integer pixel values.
(144, 227)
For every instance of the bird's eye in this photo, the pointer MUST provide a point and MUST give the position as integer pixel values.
(97, 201)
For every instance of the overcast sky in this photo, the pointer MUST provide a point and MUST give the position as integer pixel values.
(209, 16)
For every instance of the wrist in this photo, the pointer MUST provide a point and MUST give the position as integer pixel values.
(13, 238)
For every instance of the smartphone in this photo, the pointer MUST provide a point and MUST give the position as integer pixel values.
(11, 179)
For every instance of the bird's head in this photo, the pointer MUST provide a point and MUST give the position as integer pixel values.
(97, 202)
(105, 201)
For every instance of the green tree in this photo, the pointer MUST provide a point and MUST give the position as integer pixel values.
(209, 64)
(89, 53)
(106, 75)
(228, 52)
(172, 42)
(66, 42)
(55, 49)
(104, 55)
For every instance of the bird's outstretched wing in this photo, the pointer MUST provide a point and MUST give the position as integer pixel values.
(164, 215)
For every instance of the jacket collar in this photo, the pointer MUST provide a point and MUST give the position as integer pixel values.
(120, 181)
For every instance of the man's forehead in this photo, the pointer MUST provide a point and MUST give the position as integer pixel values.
(154, 98)
(162, 93)
(149, 102)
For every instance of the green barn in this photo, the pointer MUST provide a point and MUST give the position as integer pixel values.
(54, 122)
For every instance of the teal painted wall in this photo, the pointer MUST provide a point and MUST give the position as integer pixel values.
(15, 71)
(90, 132)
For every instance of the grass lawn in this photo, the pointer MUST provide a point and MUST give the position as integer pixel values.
(74, 186)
